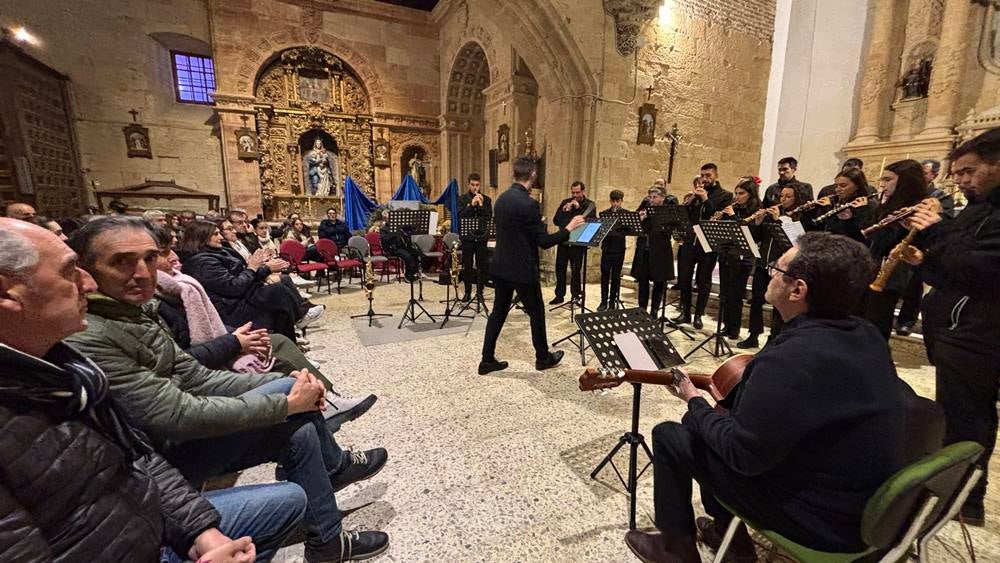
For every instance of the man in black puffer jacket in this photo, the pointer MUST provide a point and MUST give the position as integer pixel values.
(77, 482)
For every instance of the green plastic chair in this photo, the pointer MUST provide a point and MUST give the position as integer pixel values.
(912, 506)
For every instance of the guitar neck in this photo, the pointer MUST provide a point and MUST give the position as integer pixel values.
(703, 382)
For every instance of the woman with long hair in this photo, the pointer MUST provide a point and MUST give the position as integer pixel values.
(733, 273)
(851, 187)
(902, 185)
(238, 289)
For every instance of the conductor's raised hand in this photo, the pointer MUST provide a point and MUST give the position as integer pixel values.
(575, 222)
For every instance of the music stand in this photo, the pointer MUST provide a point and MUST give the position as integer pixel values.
(633, 228)
(419, 219)
(778, 237)
(371, 314)
(586, 236)
(675, 218)
(412, 305)
(732, 241)
(486, 228)
(600, 329)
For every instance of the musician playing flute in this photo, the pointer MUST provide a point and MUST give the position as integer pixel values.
(857, 208)
(902, 185)
(815, 427)
(960, 260)
(733, 274)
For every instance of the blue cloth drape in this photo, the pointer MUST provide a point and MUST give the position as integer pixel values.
(409, 191)
(357, 206)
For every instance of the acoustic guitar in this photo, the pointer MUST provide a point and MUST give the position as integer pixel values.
(718, 385)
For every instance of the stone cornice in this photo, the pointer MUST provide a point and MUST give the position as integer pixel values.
(368, 9)
(407, 121)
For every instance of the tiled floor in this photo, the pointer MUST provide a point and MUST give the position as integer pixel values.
(496, 468)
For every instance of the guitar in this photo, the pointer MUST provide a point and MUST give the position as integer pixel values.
(718, 385)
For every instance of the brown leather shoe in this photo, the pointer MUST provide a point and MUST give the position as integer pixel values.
(652, 546)
(741, 549)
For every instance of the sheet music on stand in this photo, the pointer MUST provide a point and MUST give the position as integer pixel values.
(781, 241)
(715, 236)
(592, 232)
(629, 219)
(674, 217)
(419, 219)
(602, 327)
(477, 227)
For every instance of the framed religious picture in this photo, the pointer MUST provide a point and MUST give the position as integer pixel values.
(503, 143)
(246, 144)
(137, 141)
(647, 125)
(381, 152)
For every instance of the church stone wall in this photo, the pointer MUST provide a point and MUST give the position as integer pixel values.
(106, 49)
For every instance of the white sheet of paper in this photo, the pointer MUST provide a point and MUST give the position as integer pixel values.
(749, 237)
(634, 352)
(701, 238)
(794, 230)
(433, 224)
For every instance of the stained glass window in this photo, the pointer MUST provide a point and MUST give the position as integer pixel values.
(194, 78)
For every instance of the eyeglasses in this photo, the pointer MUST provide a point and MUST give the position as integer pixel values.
(772, 267)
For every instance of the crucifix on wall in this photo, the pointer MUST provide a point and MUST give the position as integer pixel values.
(673, 136)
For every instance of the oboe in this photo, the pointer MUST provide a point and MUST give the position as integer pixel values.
(891, 262)
(837, 209)
(810, 204)
(759, 213)
(900, 214)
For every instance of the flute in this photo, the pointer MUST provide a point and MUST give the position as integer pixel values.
(901, 214)
(837, 209)
(823, 201)
(759, 213)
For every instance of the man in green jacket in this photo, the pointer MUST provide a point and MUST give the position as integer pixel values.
(210, 422)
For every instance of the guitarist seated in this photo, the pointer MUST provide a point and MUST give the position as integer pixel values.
(815, 427)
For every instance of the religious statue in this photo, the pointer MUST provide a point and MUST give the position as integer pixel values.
(321, 170)
(416, 167)
(916, 83)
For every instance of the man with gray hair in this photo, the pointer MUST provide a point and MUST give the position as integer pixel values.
(155, 217)
(211, 422)
(59, 426)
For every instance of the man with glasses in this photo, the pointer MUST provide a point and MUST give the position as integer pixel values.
(786, 175)
(813, 429)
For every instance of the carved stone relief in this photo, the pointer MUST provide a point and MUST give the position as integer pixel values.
(630, 16)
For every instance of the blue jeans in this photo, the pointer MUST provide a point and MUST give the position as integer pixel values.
(267, 513)
(303, 445)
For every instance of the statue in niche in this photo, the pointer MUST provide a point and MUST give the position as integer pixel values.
(321, 170)
(916, 83)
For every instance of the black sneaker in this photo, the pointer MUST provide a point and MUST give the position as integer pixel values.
(904, 329)
(364, 465)
(549, 362)
(681, 319)
(488, 367)
(697, 324)
(353, 545)
(603, 306)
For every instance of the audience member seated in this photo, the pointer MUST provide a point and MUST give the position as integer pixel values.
(49, 225)
(232, 240)
(22, 211)
(183, 306)
(334, 228)
(816, 426)
(208, 423)
(238, 218)
(262, 236)
(77, 482)
(241, 291)
(155, 217)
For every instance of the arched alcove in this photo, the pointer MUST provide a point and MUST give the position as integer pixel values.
(465, 111)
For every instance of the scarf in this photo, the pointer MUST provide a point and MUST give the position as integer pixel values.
(204, 322)
(69, 386)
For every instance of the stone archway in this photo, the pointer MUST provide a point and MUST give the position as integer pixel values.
(464, 132)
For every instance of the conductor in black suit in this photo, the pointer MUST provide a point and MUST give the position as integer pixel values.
(514, 266)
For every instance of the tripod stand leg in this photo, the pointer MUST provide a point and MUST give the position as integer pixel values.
(607, 459)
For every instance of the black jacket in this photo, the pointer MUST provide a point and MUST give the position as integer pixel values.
(562, 218)
(816, 422)
(718, 199)
(68, 493)
(520, 232)
(217, 353)
(962, 266)
(861, 217)
(773, 192)
(336, 231)
(225, 277)
(250, 241)
(656, 263)
(482, 212)
(614, 242)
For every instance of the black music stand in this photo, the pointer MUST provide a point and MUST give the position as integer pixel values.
(413, 304)
(675, 219)
(472, 227)
(371, 314)
(600, 330)
(630, 220)
(732, 241)
(780, 243)
(604, 227)
(419, 219)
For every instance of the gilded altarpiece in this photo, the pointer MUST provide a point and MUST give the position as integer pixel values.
(311, 108)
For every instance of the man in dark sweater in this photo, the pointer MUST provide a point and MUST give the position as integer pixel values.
(786, 175)
(334, 228)
(814, 428)
(475, 205)
(612, 254)
(514, 267)
(571, 207)
(702, 203)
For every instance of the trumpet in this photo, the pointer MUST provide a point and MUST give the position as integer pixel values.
(892, 261)
(900, 214)
(838, 208)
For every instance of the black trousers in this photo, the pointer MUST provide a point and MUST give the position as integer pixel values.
(691, 257)
(474, 252)
(733, 287)
(530, 296)
(573, 256)
(880, 308)
(659, 289)
(969, 400)
(275, 307)
(611, 277)
(760, 281)
(912, 297)
(680, 457)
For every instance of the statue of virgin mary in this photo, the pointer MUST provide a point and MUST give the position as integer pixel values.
(321, 170)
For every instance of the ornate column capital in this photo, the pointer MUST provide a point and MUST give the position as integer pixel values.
(630, 17)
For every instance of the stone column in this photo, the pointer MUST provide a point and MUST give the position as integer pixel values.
(876, 88)
(949, 69)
